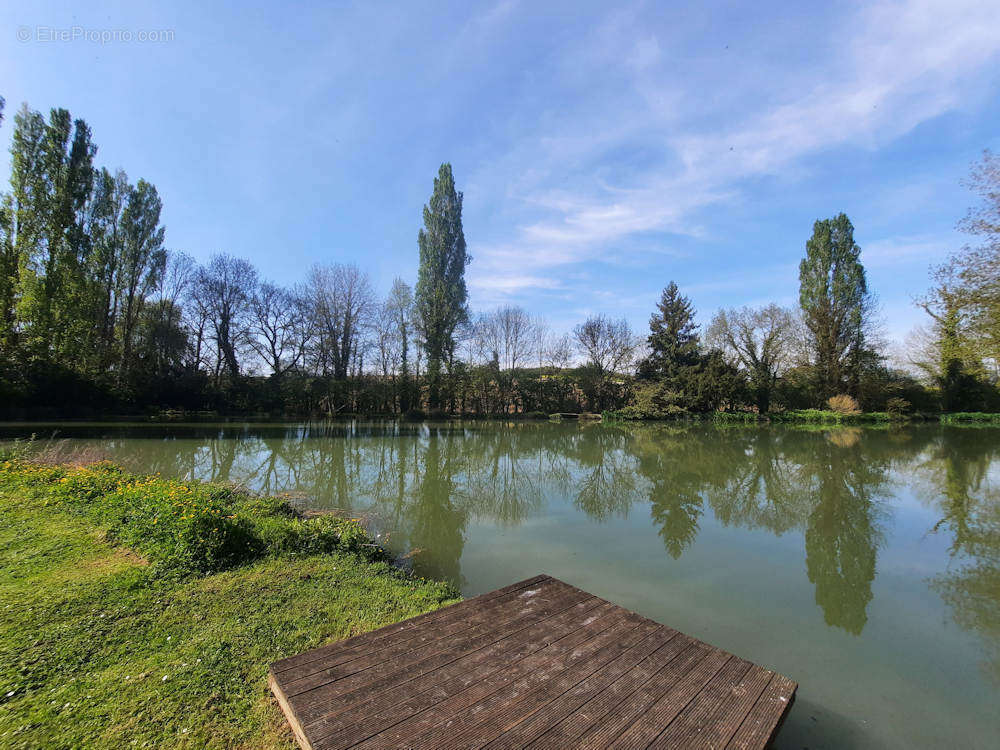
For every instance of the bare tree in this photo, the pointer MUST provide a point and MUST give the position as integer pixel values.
(181, 272)
(557, 351)
(399, 307)
(223, 291)
(277, 326)
(760, 340)
(341, 302)
(609, 345)
(386, 340)
(506, 336)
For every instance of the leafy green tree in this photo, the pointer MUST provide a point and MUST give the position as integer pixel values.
(979, 266)
(161, 343)
(836, 304)
(9, 274)
(964, 305)
(673, 336)
(952, 361)
(106, 231)
(441, 294)
(22, 218)
(143, 261)
(54, 288)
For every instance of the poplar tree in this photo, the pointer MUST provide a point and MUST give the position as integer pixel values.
(833, 294)
(52, 179)
(441, 294)
(400, 306)
(142, 263)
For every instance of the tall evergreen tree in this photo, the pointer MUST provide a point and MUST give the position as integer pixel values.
(673, 336)
(441, 294)
(836, 304)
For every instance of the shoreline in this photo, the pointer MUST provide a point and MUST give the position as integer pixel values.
(796, 416)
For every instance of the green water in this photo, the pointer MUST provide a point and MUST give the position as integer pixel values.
(863, 563)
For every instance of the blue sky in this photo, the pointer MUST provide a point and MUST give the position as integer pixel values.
(603, 148)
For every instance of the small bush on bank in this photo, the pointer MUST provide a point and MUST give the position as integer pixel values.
(735, 417)
(843, 404)
(187, 526)
(642, 414)
(898, 407)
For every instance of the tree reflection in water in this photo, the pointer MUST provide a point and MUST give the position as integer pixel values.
(425, 483)
(959, 483)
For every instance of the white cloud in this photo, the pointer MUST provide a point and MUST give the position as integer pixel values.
(513, 283)
(899, 64)
(892, 251)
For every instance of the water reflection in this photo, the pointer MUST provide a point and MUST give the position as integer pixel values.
(961, 480)
(424, 485)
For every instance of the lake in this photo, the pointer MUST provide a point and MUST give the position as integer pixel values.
(863, 563)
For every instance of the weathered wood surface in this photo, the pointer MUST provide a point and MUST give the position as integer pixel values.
(537, 664)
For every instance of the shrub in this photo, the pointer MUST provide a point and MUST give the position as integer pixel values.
(898, 407)
(189, 526)
(843, 404)
(735, 417)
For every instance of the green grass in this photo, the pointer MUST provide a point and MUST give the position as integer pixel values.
(824, 416)
(794, 416)
(165, 641)
(735, 417)
(970, 416)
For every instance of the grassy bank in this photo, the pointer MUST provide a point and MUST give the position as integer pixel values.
(805, 416)
(141, 612)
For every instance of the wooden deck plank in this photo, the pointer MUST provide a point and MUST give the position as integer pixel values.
(528, 729)
(565, 733)
(490, 668)
(665, 710)
(373, 636)
(691, 722)
(716, 725)
(628, 712)
(405, 639)
(314, 702)
(764, 720)
(538, 663)
(481, 701)
(518, 706)
(554, 598)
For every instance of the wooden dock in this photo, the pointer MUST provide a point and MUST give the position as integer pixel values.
(536, 664)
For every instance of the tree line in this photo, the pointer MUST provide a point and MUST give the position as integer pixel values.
(97, 315)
